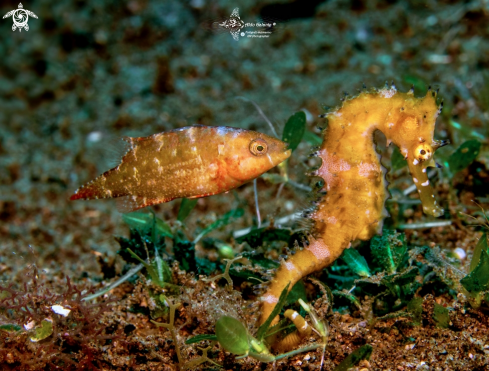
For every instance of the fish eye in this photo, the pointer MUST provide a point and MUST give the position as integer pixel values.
(258, 147)
(423, 152)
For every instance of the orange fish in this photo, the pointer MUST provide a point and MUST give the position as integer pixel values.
(190, 162)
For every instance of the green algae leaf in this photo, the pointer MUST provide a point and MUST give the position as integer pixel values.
(140, 242)
(199, 338)
(44, 331)
(397, 159)
(355, 357)
(478, 279)
(294, 129)
(482, 245)
(405, 277)
(245, 274)
(259, 259)
(419, 83)
(225, 250)
(312, 139)
(441, 316)
(298, 291)
(462, 131)
(144, 221)
(350, 297)
(389, 250)
(232, 335)
(158, 270)
(221, 222)
(186, 206)
(415, 307)
(464, 155)
(356, 262)
(262, 330)
(10, 328)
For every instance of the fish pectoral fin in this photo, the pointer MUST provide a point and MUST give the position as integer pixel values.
(127, 204)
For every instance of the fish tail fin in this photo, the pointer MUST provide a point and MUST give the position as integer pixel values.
(94, 189)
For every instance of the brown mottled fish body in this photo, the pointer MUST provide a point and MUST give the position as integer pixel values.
(190, 162)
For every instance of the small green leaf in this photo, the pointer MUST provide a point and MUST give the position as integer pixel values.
(143, 221)
(478, 279)
(221, 222)
(199, 338)
(464, 155)
(355, 357)
(389, 250)
(356, 262)
(150, 268)
(405, 277)
(298, 291)
(225, 250)
(482, 245)
(441, 316)
(415, 306)
(397, 159)
(418, 82)
(10, 328)
(312, 139)
(348, 296)
(44, 331)
(232, 335)
(262, 330)
(294, 129)
(186, 206)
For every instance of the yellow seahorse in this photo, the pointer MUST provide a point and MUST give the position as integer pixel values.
(354, 186)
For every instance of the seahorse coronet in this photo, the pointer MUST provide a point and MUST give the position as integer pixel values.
(353, 206)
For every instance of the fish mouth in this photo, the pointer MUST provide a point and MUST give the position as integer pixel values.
(286, 153)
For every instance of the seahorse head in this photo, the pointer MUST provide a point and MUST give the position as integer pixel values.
(411, 127)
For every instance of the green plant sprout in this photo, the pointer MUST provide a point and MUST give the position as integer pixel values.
(171, 326)
(394, 280)
(158, 270)
(320, 327)
(202, 359)
(225, 275)
(234, 338)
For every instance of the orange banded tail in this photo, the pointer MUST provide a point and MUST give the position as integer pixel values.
(315, 256)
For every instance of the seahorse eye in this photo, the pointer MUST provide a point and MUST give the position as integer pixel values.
(258, 147)
(423, 152)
